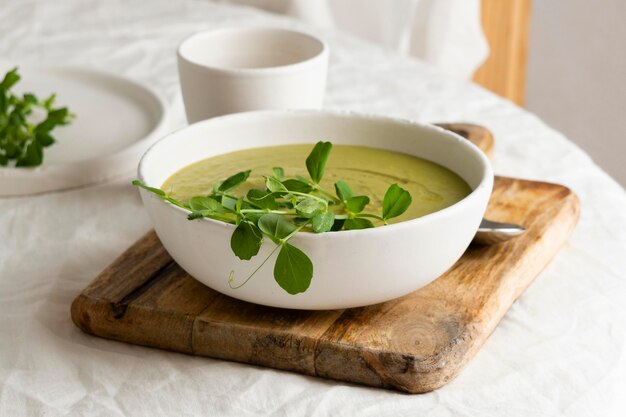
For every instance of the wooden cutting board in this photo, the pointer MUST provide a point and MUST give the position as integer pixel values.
(416, 343)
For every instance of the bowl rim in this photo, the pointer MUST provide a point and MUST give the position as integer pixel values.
(254, 71)
(485, 181)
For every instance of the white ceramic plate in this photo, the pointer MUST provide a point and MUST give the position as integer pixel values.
(116, 121)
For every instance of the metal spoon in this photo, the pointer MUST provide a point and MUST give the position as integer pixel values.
(490, 232)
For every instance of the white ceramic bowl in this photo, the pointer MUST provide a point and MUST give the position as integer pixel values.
(351, 268)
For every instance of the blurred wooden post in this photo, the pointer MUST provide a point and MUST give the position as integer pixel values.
(506, 24)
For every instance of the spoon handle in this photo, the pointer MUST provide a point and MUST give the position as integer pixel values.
(490, 232)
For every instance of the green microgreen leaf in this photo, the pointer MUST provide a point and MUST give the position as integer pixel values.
(32, 157)
(262, 199)
(274, 185)
(20, 138)
(357, 223)
(55, 117)
(300, 221)
(396, 201)
(44, 138)
(316, 161)
(49, 102)
(337, 225)
(357, 204)
(279, 173)
(246, 240)
(298, 186)
(323, 222)
(200, 203)
(276, 226)
(253, 217)
(343, 190)
(233, 181)
(229, 202)
(30, 98)
(10, 79)
(293, 270)
(309, 207)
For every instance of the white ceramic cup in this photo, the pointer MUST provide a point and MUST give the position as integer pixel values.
(234, 70)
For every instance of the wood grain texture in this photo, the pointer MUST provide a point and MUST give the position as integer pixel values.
(506, 24)
(416, 343)
(478, 135)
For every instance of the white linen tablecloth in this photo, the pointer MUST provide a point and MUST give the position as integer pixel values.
(559, 351)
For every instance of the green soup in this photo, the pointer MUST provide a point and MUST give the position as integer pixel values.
(368, 171)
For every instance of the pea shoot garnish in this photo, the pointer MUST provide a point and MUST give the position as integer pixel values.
(21, 140)
(283, 208)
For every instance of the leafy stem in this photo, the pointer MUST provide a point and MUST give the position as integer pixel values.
(318, 198)
(259, 211)
(22, 140)
(328, 194)
(284, 208)
(371, 216)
